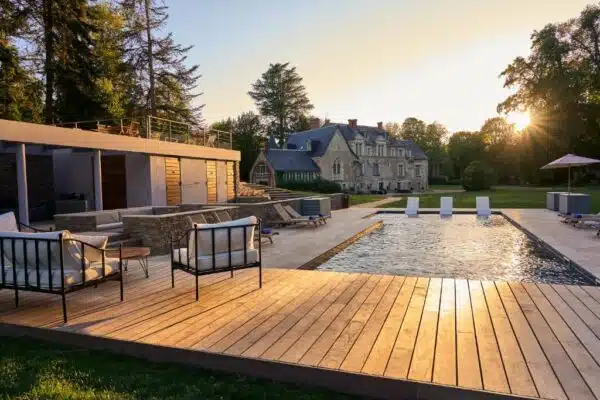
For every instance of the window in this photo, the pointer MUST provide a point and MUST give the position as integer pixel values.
(417, 170)
(358, 147)
(400, 169)
(393, 152)
(376, 169)
(337, 169)
(380, 149)
(401, 152)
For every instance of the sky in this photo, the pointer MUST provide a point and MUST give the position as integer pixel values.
(373, 60)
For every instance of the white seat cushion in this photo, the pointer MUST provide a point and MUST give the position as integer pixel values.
(205, 241)
(8, 222)
(92, 254)
(111, 226)
(221, 259)
(71, 276)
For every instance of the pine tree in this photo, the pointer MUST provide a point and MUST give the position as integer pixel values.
(280, 98)
(165, 85)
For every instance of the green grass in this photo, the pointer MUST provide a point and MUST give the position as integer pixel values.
(517, 197)
(445, 187)
(32, 369)
(356, 199)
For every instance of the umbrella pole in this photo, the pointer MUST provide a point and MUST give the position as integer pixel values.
(569, 184)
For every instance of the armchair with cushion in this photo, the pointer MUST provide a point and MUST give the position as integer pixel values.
(213, 248)
(55, 263)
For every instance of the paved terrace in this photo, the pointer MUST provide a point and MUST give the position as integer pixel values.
(364, 334)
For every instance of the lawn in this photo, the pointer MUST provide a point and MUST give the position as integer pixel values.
(356, 199)
(504, 197)
(31, 369)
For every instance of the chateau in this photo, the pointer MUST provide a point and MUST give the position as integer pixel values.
(359, 158)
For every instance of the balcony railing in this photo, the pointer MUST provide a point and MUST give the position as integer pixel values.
(158, 129)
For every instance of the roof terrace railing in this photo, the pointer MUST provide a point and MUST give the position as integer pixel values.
(158, 129)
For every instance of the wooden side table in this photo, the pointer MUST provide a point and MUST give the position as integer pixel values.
(128, 253)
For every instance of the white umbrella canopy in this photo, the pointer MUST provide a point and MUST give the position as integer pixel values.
(568, 161)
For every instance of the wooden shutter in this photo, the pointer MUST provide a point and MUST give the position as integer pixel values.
(211, 181)
(173, 180)
(230, 181)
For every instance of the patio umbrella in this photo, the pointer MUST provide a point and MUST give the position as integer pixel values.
(568, 161)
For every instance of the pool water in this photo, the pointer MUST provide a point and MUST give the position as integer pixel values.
(461, 246)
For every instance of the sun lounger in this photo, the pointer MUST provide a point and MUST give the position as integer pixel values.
(412, 206)
(294, 214)
(446, 206)
(286, 219)
(482, 203)
(576, 218)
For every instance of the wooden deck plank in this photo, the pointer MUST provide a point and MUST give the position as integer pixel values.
(255, 330)
(568, 375)
(468, 366)
(229, 334)
(585, 335)
(593, 291)
(187, 332)
(492, 367)
(355, 360)
(382, 349)
(581, 358)
(399, 362)
(304, 342)
(273, 334)
(421, 366)
(519, 378)
(444, 369)
(444, 331)
(583, 312)
(278, 348)
(542, 373)
(317, 351)
(586, 299)
(342, 345)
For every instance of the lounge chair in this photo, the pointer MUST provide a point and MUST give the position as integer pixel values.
(294, 214)
(446, 206)
(286, 219)
(412, 206)
(214, 248)
(577, 218)
(482, 204)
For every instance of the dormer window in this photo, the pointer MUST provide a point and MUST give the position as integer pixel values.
(308, 145)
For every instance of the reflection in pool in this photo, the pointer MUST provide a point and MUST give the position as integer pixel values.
(461, 246)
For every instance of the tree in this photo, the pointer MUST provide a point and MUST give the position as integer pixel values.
(280, 98)
(559, 83)
(249, 137)
(393, 129)
(20, 90)
(463, 148)
(501, 152)
(166, 87)
(413, 129)
(477, 176)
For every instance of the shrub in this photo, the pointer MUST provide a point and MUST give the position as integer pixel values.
(317, 185)
(477, 176)
(438, 180)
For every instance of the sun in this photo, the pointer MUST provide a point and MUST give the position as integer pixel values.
(519, 119)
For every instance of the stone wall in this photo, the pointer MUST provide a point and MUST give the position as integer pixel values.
(157, 231)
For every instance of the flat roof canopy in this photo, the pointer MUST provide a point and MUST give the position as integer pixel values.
(23, 132)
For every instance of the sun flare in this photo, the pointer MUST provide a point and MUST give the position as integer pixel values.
(520, 120)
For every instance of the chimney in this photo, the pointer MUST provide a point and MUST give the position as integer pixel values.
(380, 126)
(352, 123)
(315, 123)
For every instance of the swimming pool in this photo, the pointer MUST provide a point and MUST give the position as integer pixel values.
(461, 246)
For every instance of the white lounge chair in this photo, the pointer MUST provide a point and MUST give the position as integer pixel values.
(412, 206)
(482, 203)
(446, 206)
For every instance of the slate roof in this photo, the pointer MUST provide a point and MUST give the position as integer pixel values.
(291, 160)
(296, 157)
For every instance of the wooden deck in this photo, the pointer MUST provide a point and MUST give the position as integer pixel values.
(444, 334)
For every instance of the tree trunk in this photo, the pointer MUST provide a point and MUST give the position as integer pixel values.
(48, 20)
(152, 93)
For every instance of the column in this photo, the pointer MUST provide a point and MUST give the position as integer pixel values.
(22, 184)
(97, 168)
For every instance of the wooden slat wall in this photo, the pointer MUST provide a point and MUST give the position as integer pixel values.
(211, 181)
(231, 181)
(173, 180)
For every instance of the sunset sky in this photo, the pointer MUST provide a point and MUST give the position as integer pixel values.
(375, 60)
